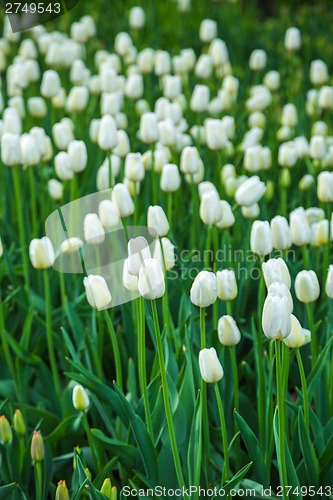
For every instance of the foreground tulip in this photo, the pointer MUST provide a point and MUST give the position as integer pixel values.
(80, 398)
(97, 292)
(138, 252)
(276, 317)
(77, 152)
(281, 233)
(62, 492)
(261, 241)
(210, 208)
(204, 289)
(41, 253)
(307, 287)
(250, 191)
(37, 447)
(228, 331)
(151, 284)
(94, 233)
(157, 221)
(167, 257)
(122, 198)
(297, 335)
(227, 219)
(276, 270)
(210, 367)
(226, 284)
(129, 280)
(282, 290)
(329, 283)
(51, 84)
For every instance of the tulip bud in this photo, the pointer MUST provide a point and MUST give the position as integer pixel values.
(37, 107)
(227, 219)
(80, 398)
(151, 283)
(172, 86)
(210, 208)
(107, 137)
(62, 166)
(302, 146)
(189, 160)
(289, 116)
(77, 99)
(282, 290)
(250, 191)
(148, 128)
(10, 149)
(167, 257)
(122, 198)
(226, 284)
(318, 72)
(138, 252)
(130, 281)
(281, 233)
(107, 488)
(276, 270)
(62, 135)
(204, 67)
(157, 221)
(210, 367)
(297, 336)
(276, 317)
(325, 97)
(137, 18)
(123, 147)
(287, 156)
(272, 80)
(55, 189)
(307, 287)
(200, 98)
(108, 213)
(51, 84)
(170, 178)
(204, 289)
(97, 292)
(62, 491)
(261, 241)
(329, 283)
(258, 60)
(299, 227)
(208, 30)
(325, 187)
(292, 40)
(228, 331)
(41, 253)
(162, 63)
(19, 424)
(134, 169)
(317, 147)
(71, 245)
(134, 86)
(37, 447)
(77, 153)
(306, 182)
(319, 128)
(93, 230)
(6, 433)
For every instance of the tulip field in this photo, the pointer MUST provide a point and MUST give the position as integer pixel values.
(166, 260)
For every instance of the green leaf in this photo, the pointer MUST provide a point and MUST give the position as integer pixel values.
(308, 451)
(326, 460)
(291, 470)
(194, 446)
(127, 453)
(319, 366)
(234, 481)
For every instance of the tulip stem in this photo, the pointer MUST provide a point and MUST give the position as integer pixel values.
(169, 208)
(166, 399)
(281, 416)
(38, 480)
(261, 372)
(224, 434)
(205, 424)
(34, 220)
(115, 348)
(110, 169)
(142, 365)
(232, 351)
(90, 441)
(49, 336)
(314, 344)
(18, 199)
(5, 343)
(304, 389)
(153, 175)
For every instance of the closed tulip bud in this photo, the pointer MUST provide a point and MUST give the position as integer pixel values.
(307, 287)
(41, 253)
(299, 227)
(251, 212)
(62, 166)
(302, 146)
(317, 147)
(172, 86)
(204, 67)
(228, 331)
(157, 221)
(314, 214)
(19, 424)
(6, 433)
(122, 43)
(281, 233)
(319, 128)
(37, 447)
(208, 30)
(10, 149)
(285, 178)
(227, 219)
(252, 161)
(162, 63)
(37, 107)
(107, 488)
(107, 137)
(130, 281)
(200, 98)
(170, 178)
(62, 135)
(318, 72)
(122, 198)
(138, 252)
(325, 187)
(325, 97)
(277, 288)
(329, 283)
(226, 284)
(276, 317)
(227, 171)
(306, 182)
(296, 338)
(167, 257)
(210, 367)
(319, 233)
(51, 84)
(261, 241)
(134, 169)
(289, 116)
(77, 152)
(148, 128)
(80, 398)
(216, 137)
(71, 245)
(137, 18)
(151, 283)
(134, 86)
(123, 147)
(108, 213)
(272, 80)
(77, 99)
(287, 156)
(62, 491)
(210, 208)
(167, 132)
(204, 289)
(94, 233)
(218, 52)
(292, 39)
(205, 187)
(97, 292)
(189, 160)
(276, 270)
(258, 60)
(250, 191)
(145, 61)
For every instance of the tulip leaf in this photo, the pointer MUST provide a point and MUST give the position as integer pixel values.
(326, 460)
(194, 451)
(235, 480)
(308, 451)
(127, 453)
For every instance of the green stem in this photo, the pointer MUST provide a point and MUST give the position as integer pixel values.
(224, 434)
(38, 480)
(153, 177)
(166, 400)
(304, 389)
(281, 416)
(205, 424)
(260, 362)
(233, 358)
(49, 335)
(18, 199)
(169, 208)
(208, 246)
(33, 207)
(314, 343)
(90, 441)
(4, 342)
(115, 348)
(142, 365)
(110, 169)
